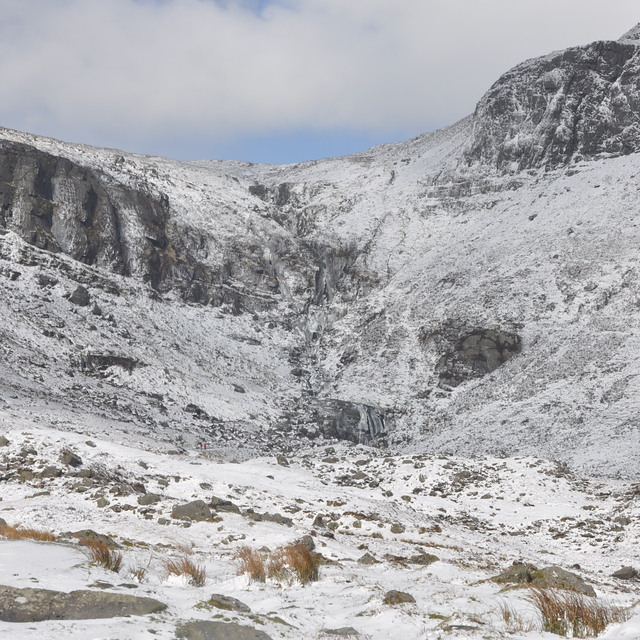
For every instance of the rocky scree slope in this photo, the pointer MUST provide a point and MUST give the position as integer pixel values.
(472, 290)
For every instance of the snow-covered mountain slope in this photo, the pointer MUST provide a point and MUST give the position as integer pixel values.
(474, 290)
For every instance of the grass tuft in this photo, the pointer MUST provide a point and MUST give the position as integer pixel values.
(574, 615)
(184, 566)
(101, 554)
(252, 563)
(18, 533)
(285, 564)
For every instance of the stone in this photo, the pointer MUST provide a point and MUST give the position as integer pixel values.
(348, 632)
(89, 535)
(547, 578)
(367, 558)
(307, 542)
(227, 603)
(423, 559)
(626, 573)
(557, 578)
(205, 630)
(71, 459)
(35, 605)
(398, 597)
(196, 510)
(50, 472)
(80, 296)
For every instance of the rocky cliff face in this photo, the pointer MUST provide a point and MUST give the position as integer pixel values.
(468, 290)
(562, 108)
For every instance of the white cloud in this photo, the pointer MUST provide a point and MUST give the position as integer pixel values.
(91, 69)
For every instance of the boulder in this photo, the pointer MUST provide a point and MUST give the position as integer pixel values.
(35, 605)
(149, 498)
(196, 510)
(227, 603)
(345, 632)
(557, 578)
(71, 459)
(626, 573)
(80, 296)
(205, 630)
(398, 597)
(548, 578)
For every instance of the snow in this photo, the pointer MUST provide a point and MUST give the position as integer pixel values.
(536, 513)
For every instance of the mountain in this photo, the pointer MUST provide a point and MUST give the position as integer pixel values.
(475, 290)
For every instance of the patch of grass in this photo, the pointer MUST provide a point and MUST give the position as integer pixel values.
(574, 615)
(184, 566)
(18, 533)
(101, 554)
(253, 563)
(285, 564)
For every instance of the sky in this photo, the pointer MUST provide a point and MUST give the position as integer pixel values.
(272, 81)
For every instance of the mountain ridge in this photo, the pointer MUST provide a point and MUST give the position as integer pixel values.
(467, 290)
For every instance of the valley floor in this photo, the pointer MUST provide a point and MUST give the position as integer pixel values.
(374, 520)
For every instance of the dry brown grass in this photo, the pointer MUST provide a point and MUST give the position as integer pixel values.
(184, 566)
(252, 563)
(285, 564)
(18, 533)
(101, 554)
(573, 615)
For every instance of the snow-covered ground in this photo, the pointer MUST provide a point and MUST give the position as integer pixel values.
(478, 516)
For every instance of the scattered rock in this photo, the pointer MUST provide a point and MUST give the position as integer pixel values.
(626, 573)
(342, 631)
(35, 605)
(423, 559)
(205, 630)
(196, 510)
(307, 542)
(228, 603)
(398, 597)
(71, 459)
(80, 296)
(89, 535)
(50, 472)
(548, 578)
(367, 558)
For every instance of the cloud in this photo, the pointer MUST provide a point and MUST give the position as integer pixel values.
(138, 70)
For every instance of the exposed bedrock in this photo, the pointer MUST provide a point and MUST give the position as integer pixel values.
(546, 112)
(469, 354)
(356, 422)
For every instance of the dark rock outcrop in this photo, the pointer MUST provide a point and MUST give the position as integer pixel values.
(359, 423)
(578, 103)
(35, 605)
(476, 353)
